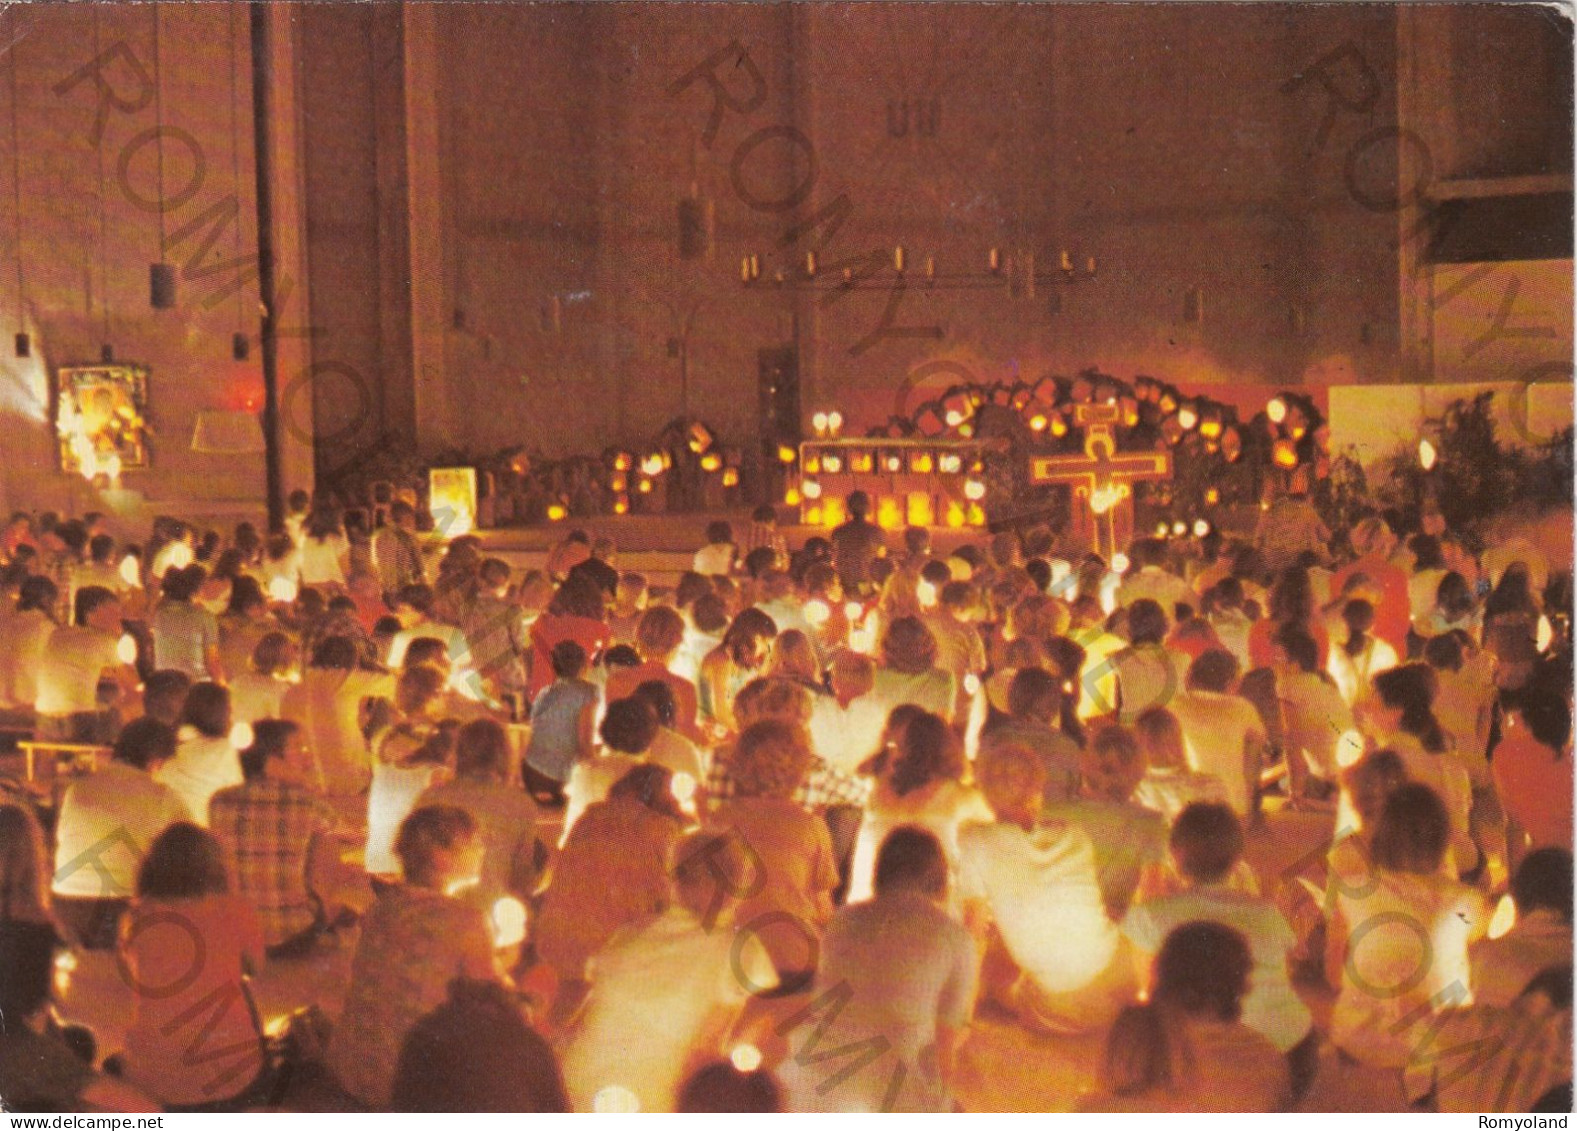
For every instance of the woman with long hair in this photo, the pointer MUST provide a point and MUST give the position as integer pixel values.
(918, 782)
(739, 658)
(186, 946)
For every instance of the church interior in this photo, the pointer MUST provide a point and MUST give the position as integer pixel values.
(790, 557)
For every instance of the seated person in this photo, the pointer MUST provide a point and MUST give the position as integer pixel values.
(506, 818)
(1513, 1057)
(1035, 710)
(1030, 890)
(629, 727)
(107, 822)
(612, 871)
(1408, 918)
(720, 1087)
(1128, 838)
(789, 847)
(562, 720)
(443, 1067)
(1206, 845)
(1222, 732)
(415, 941)
(1201, 977)
(680, 976)
(907, 971)
(185, 909)
(1542, 936)
(39, 1071)
(1169, 784)
(282, 842)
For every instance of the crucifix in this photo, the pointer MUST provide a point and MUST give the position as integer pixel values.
(1102, 480)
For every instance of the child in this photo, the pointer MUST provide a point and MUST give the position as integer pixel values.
(562, 718)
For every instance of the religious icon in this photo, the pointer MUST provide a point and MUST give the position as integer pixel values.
(101, 419)
(1102, 479)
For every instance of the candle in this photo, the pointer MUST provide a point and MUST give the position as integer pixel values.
(930, 267)
(898, 258)
(810, 263)
(1067, 261)
(994, 260)
(1089, 266)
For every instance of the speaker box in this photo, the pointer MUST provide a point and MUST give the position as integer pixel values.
(161, 286)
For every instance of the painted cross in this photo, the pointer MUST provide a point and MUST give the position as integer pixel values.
(1102, 480)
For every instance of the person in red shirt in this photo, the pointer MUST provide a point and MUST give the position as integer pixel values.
(577, 612)
(1532, 766)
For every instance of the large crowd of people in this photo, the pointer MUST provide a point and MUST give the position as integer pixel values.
(775, 837)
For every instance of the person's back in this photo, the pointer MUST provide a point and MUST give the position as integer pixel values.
(907, 972)
(612, 871)
(26, 634)
(327, 704)
(1542, 936)
(506, 821)
(856, 545)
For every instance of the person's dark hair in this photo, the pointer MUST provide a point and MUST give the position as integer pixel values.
(1544, 883)
(426, 650)
(692, 586)
(568, 659)
(1139, 1057)
(709, 614)
(1291, 599)
(1414, 831)
(1358, 616)
(207, 709)
(475, 1052)
(246, 594)
(1444, 652)
(858, 504)
(909, 646)
(428, 831)
(325, 522)
(1426, 552)
(936, 573)
(482, 751)
(1035, 693)
(335, 652)
(579, 596)
(416, 596)
(1203, 971)
(1514, 593)
(90, 598)
(1213, 670)
(927, 752)
(298, 501)
(1411, 690)
(183, 862)
(270, 739)
(1547, 716)
(1453, 596)
(164, 696)
(750, 628)
(759, 561)
(630, 726)
(1300, 647)
(101, 548)
(911, 858)
(660, 632)
(37, 593)
(1146, 622)
(720, 1087)
(27, 968)
(660, 697)
(719, 533)
(621, 656)
(1206, 841)
(182, 584)
(652, 786)
(273, 654)
(766, 514)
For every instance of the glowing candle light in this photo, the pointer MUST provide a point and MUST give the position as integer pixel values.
(745, 1058)
(241, 736)
(282, 590)
(509, 922)
(126, 649)
(974, 489)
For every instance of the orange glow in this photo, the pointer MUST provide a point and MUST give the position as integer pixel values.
(888, 516)
(921, 509)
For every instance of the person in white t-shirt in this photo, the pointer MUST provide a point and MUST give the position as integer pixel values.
(259, 692)
(108, 820)
(205, 760)
(908, 671)
(1222, 732)
(72, 665)
(325, 551)
(1148, 673)
(1030, 891)
(716, 558)
(679, 979)
(26, 634)
(1169, 784)
(1400, 939)
(1314, 715)
(1149, 579)
(1206, 844)
(846, 726)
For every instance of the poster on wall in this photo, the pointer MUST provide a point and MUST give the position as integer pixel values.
(101, 418)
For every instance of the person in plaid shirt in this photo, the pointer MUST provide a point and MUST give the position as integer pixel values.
(279, 841)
